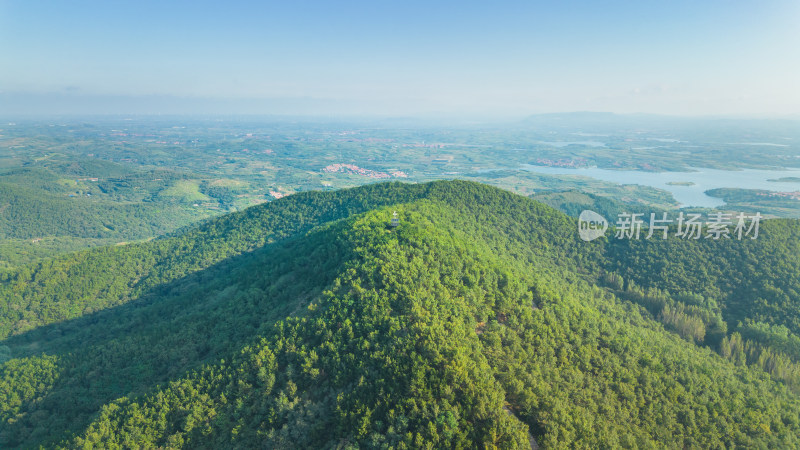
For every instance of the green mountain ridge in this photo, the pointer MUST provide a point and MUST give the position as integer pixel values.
(482, 320)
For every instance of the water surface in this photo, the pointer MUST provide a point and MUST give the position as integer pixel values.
(703, 179)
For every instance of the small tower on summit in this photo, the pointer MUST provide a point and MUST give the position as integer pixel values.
(395, 221)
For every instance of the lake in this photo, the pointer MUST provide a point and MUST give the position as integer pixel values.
(703, 179)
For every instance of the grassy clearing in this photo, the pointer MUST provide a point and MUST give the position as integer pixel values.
(187, 190)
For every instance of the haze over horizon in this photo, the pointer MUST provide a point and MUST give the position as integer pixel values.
(509, 59)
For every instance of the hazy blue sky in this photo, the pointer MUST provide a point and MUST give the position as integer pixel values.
(401, 57)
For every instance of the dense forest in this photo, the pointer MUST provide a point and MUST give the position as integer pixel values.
(480, 321)
(47, 210)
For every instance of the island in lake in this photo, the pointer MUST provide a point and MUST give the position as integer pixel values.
(680, 183)
(785, 180)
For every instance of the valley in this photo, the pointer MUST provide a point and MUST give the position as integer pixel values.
(67, 183)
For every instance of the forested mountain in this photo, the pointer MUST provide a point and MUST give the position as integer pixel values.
(481, 320)
(573, 202)
(28, 214)
(49, 210)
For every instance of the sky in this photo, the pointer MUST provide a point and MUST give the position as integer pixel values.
(400, 58)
